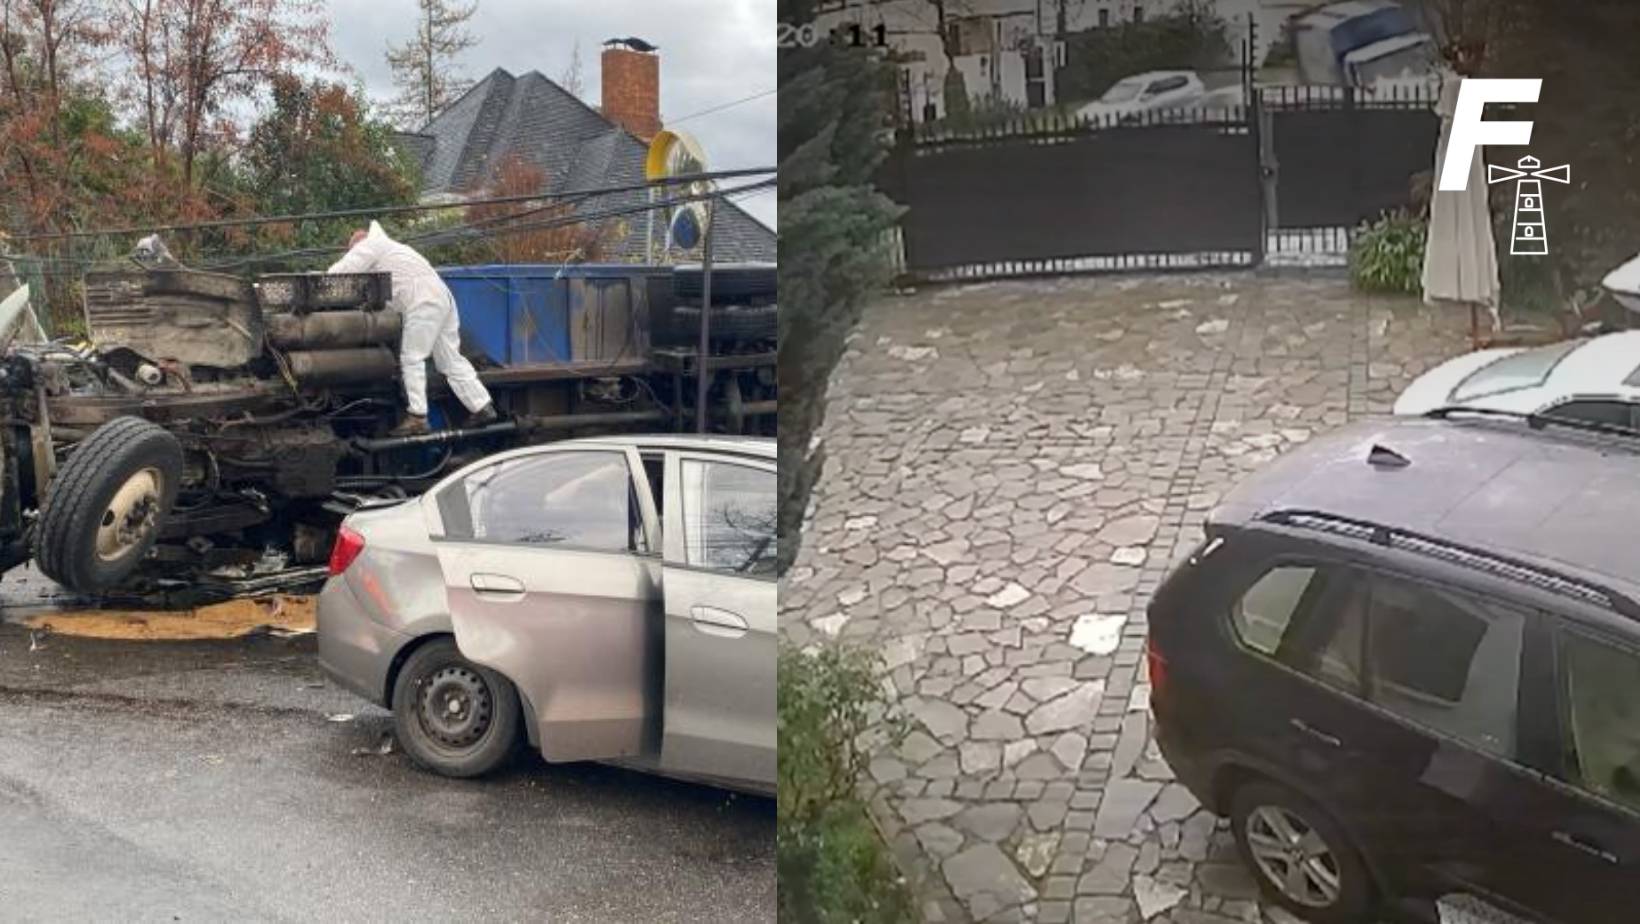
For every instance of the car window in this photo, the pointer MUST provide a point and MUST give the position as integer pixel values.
(1310, 618)
(1633, 380)
(1264, 612)
(1446, 661)
(1166, 85)
(580, 499)
(1526, 369)
(1608, 412)
(1602, 688)
(729, 517)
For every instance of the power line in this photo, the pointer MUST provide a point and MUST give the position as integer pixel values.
(747, 99)
(467, 232)
(391, 209)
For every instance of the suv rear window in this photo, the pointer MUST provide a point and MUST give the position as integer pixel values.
(1526, 369)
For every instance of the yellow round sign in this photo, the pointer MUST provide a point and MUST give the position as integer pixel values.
(673, 153)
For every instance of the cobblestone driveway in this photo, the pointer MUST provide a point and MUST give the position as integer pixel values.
(1011, 468)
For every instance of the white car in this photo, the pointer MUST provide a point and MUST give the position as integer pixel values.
(1145, 92)
(1594, 379)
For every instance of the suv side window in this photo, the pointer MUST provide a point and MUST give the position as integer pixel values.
(1264, 612)
(1445, 660)
(1602, 690)
(1308, 617)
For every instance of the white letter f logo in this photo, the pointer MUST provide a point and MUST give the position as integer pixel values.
(1469, 131)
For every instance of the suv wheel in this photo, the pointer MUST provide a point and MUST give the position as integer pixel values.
(1300, 856)
(454, 717)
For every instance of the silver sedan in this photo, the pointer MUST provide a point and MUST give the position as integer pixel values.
(606, 599)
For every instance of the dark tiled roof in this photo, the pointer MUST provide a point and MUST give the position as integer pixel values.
(575, 146)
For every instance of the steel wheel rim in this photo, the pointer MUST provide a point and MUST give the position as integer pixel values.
(1292, 856)
(456, 708)
(131, 515)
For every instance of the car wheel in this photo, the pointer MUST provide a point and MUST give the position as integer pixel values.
(105, 507)
(454, 717)
(1300, 856)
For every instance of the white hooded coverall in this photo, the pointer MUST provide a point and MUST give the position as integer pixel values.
(431, 326)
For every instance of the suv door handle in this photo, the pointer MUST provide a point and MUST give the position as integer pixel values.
(1577, 843)
(713, 621)
(1316, 733)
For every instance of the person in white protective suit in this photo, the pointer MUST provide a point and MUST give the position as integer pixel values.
(431, 326)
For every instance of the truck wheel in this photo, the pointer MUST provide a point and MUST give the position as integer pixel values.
(454, 717)
(105, 506)
(729, 322)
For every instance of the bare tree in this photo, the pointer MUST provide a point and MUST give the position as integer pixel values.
(571, 79)
(424, 67)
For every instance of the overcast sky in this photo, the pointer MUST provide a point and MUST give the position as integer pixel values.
(713, 52)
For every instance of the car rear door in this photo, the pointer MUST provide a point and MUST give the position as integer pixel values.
(719, 712)
(1576, 837)
(547, 563)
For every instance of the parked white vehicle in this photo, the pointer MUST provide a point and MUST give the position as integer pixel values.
(1147, 92)
(1594, 379)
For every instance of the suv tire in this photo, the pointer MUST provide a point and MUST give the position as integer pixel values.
(1300, 856)
(107, 504)
(454, 717)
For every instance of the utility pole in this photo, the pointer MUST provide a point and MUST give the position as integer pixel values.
(703, 376)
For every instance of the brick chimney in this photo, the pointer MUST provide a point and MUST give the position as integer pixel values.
(632, 90)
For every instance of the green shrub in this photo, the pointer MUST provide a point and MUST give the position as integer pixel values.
(1387, 255)
(832, 864)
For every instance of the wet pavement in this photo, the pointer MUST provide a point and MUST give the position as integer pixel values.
(1011, 468)
(226, 780)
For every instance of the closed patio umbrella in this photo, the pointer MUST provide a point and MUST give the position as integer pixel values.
(1460, 259)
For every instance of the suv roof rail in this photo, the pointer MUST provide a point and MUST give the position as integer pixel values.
(1459, 554)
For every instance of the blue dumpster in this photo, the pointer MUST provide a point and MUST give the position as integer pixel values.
(534, 314)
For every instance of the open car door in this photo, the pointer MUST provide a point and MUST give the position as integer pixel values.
(719, 712)
(547, 563)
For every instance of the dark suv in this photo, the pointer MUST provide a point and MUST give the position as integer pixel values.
(1406, 664)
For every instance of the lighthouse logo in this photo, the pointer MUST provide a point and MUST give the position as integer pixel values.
(1469, 131)
(1529, 235)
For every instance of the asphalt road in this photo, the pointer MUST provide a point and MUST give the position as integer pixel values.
(149, 781)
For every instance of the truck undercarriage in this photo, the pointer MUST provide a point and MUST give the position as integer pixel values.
(208, 439)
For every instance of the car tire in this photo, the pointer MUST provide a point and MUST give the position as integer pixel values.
(454, 717)
(1313, 842)
(106, 505)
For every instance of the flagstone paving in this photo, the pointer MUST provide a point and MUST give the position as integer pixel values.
(1011, 468)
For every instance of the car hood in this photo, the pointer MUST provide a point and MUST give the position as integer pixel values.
(1433, 389)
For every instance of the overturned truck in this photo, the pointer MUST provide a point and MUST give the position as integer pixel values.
(210, 434)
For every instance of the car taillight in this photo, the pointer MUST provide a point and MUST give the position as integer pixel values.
(348, 546)
(1156, 666)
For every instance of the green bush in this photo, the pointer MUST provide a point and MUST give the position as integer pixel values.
(832, 864)
(1387, 255)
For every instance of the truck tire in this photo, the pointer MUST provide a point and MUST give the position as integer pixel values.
(730, 322)
(106, 505)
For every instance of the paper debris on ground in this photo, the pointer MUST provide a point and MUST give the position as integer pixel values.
(278, 615)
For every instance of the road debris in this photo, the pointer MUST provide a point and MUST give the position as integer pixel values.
(383, 747)
(279, 615)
